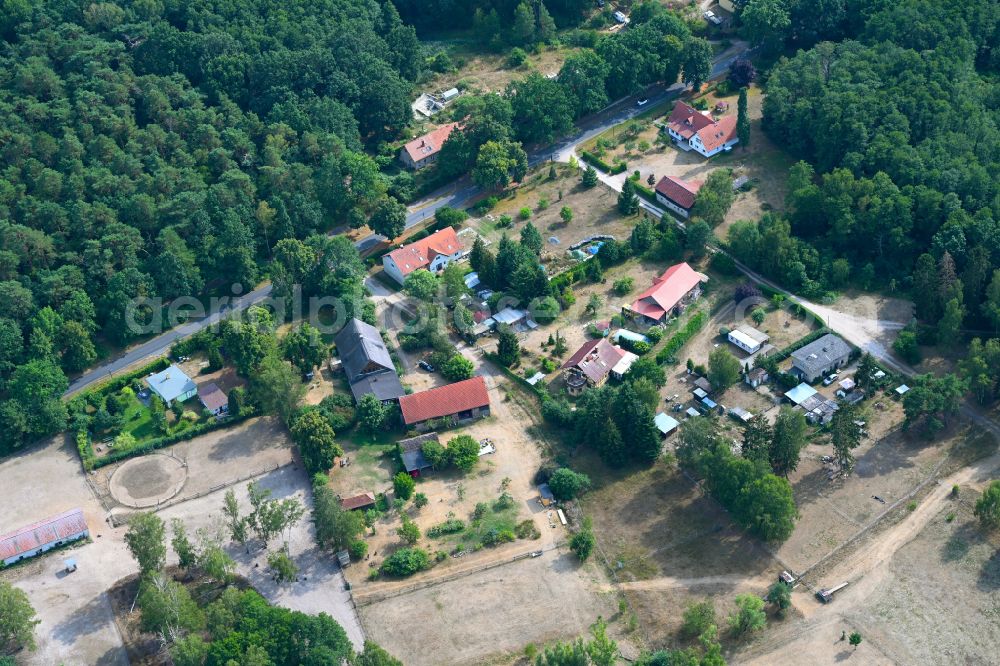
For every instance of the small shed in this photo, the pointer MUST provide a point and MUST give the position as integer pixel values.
(708, 402)
(344, 558)
(740, 414)
(700, 393)
(902, 389)
(666, 424)
(545, 496)
(800, 393)
(355, 502)
(703, 384)
(472, 280)
(756, 377)
(692, 412)
(213, 399)
(411, 452)
(847, 384)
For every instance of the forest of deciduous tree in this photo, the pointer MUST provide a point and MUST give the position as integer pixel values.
(898, 130)
(154, 148)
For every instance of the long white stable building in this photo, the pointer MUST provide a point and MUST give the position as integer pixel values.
(42, 536)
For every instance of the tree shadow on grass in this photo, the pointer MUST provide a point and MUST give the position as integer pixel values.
(989, 575)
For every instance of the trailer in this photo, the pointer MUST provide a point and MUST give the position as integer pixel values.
(826, 594)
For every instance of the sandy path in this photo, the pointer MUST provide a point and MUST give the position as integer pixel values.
(868, 571)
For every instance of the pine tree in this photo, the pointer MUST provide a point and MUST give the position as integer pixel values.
(546, 26)
(757, 438)
(523, 30)
(636, 424)
(508, 347)
(949, 286)
(628, 202)
(743, 119)
(589, 178)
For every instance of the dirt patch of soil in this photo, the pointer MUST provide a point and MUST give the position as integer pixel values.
(487, 72)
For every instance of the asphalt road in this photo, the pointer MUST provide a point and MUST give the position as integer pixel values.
(455, 195)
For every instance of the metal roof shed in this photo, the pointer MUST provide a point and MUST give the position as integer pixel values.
(800, 393)
(665, 423)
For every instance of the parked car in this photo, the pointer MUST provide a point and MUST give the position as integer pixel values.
(831, 379)
(426, 366)
(712, 18)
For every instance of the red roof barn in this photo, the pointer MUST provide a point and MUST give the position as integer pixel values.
(461, 401)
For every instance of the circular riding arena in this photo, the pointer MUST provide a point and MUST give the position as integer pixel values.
(147, 481)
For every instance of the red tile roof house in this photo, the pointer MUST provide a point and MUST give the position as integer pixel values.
(433, 253)
(677, 195)
(456, 403)
(423, 151)
(42, 536)
(693, 130)
(670, 294)
(591, 365)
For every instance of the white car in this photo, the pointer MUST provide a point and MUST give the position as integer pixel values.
(831, 379)
(712, 18)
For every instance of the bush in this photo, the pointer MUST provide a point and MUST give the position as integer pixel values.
(517, 57)
(681, 338)
(403, 485)
(405, 562)
(624, 286)
(567, 484)
(339, 411)
(358, 549)
(450, 526)
(495, 537)
(524, 213)
(505, 501)
(582, 543)
(526, 529)
(594, 160)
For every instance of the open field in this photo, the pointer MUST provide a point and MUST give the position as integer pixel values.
(489, 72)
(671, 545)
(924, 589)
(594, 213)
(491, 613)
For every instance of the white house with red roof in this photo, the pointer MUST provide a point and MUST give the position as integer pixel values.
(423, 151)
(433, 253)
(693, 130)
(671, 293)
(677, 194)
